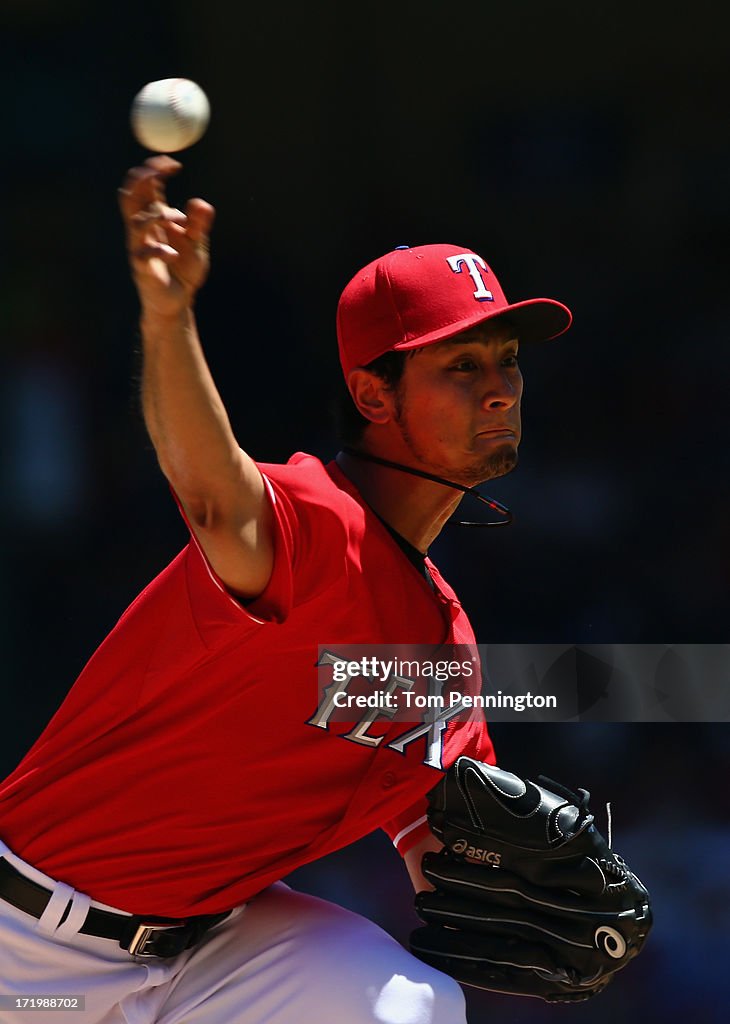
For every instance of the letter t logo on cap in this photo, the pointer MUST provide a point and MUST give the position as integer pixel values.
(473, 262)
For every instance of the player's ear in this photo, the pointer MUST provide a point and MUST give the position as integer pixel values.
(373, 398)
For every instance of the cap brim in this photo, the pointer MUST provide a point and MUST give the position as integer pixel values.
(538, 319)
(533, 320)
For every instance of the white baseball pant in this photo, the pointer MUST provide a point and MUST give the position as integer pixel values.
(283, 958)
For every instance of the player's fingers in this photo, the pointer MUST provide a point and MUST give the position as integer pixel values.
(154, 250)
(189, 248)
(200, 219)
(161, 167)
(145, 184)
(141, 188)
(157, 223)
(158, 213)
(161, 164)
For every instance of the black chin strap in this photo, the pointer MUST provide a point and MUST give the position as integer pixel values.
(494, 505)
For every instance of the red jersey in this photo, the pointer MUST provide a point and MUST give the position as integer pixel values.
(182, 774)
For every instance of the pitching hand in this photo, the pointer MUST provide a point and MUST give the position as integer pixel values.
(168, 249)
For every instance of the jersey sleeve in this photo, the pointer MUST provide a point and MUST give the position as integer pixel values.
(470, 738)
(310, 545)
(409, 827)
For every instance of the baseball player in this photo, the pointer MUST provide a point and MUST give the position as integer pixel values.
(190, 768)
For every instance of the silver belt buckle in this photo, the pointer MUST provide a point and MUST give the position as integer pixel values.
(145, 932)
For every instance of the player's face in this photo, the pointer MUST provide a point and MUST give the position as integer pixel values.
(458, 405)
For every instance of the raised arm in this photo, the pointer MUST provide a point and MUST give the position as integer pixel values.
(218, 485)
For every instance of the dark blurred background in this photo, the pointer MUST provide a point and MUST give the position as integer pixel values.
(583, 150)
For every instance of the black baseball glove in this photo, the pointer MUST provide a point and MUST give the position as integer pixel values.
(530, 899)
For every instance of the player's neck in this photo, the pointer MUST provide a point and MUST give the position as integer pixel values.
(416, 509)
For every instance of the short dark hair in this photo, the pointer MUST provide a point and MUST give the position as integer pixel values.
(350, 424)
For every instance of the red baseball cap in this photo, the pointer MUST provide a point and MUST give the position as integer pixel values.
(414, 297)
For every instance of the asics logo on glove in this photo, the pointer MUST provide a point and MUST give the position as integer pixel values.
(461, 846)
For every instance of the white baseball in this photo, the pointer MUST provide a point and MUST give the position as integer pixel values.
(170, 115)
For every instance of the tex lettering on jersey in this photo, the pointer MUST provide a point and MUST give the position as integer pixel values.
(435, 715)
(475, 265)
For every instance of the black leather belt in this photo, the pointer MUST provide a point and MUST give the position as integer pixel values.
(141, 936)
